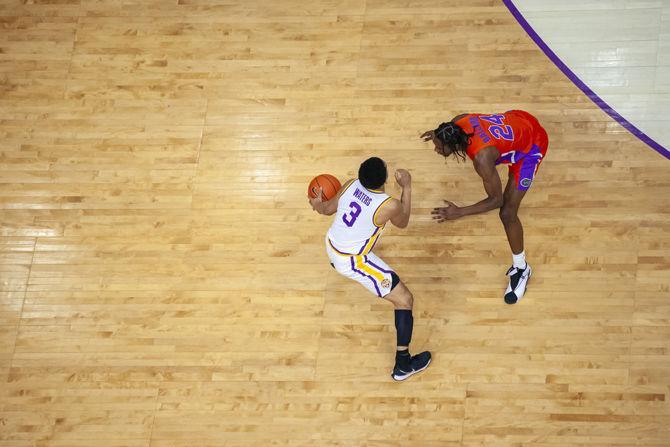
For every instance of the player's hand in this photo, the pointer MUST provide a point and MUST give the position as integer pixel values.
(315, 201)
(428, 135)
(449, 212)
(403, 177)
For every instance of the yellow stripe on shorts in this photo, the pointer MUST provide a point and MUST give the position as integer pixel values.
(376, 274)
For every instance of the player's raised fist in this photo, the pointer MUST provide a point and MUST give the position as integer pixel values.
(403, 177)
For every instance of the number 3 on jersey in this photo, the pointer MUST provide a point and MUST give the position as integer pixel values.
(350, 218)
(500, 130)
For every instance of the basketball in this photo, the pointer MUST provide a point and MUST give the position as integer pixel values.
(330, 184)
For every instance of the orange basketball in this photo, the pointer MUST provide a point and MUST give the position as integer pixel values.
(330, 184)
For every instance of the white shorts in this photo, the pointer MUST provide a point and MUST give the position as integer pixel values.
(369, 270)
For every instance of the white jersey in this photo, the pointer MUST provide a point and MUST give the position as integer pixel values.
(354, 230)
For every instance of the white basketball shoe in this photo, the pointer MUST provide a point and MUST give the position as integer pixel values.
(518, 280)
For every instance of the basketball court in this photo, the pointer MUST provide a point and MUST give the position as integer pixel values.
(164, 281)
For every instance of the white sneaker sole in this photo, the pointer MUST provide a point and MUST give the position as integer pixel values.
(410, 374)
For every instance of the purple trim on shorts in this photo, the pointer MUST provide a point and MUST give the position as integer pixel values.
(582, 86)
(506, 158)
(535, 149)
(353, 267)
(334, 248)
(376, 266)
(527, 171)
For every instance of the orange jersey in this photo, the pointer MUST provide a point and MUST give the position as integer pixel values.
(513, 133)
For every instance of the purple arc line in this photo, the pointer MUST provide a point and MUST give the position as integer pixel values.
(582, 86)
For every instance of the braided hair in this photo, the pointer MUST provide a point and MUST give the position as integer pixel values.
(454, 137)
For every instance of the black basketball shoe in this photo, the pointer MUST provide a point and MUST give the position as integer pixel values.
(417, 364)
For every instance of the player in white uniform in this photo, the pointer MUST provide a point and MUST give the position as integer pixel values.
(362, 209)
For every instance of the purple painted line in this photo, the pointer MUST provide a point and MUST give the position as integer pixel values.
(374, 283)
(582, 86)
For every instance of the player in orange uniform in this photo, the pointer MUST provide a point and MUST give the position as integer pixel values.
(514, 138)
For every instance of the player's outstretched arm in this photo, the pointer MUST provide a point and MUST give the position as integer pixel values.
(486, 168)
(403, 208)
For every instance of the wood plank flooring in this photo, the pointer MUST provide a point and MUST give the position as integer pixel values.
(164, 282)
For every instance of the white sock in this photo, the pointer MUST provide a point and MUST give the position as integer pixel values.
(519, 261)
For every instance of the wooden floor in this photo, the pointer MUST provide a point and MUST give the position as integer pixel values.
(620, 49)
(164, 282)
